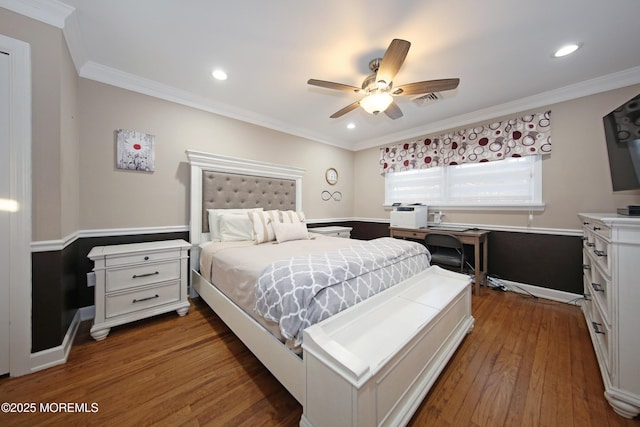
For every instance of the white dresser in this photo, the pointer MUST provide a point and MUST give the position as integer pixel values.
(335, 231)
(611, 267)
(138, 280)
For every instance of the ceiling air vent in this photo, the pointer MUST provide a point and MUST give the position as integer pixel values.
(429, 97)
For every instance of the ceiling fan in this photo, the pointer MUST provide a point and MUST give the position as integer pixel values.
(378, 87)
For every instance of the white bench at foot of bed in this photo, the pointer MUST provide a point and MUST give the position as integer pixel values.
(373, 364)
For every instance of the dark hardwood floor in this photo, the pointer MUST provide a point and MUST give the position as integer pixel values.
(526, 363)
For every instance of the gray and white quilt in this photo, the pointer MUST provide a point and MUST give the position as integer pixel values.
(304, 290)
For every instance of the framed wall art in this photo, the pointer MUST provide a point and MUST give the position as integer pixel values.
(135, 150)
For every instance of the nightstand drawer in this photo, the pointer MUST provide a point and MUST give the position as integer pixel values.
(140, 275)
(118, 304)
(142, 257)
(333, 231)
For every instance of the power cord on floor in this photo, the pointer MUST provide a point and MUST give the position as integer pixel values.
(494, 282)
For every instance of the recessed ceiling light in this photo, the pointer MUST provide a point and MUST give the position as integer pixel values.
(351, 126)
(218, 74)
(566, 50)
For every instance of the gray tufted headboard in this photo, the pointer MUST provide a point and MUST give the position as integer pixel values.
(223, 190)
(219, 182)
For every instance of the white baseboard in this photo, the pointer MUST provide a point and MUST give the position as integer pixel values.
(546, 293)
(59, 354)
(87, 313)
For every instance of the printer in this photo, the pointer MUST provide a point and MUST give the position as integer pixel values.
(409, 216)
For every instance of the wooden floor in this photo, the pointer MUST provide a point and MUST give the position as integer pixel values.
(526, 363)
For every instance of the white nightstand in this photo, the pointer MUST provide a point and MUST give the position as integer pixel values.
(138, 280)
(334, 231)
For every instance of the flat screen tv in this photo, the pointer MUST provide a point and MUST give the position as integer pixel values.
(622, 133)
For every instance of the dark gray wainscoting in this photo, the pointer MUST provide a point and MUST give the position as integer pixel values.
(545, 260)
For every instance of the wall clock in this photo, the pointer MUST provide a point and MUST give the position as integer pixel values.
(331, 175)
(135, 150)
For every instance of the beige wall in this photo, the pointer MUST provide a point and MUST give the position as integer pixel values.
(575, 176)
(70, 147)
(77, 187)
(52, 136)
(112, 198)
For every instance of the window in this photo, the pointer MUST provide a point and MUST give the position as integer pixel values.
(510, 183)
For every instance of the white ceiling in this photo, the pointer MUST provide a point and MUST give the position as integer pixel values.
(500, 49)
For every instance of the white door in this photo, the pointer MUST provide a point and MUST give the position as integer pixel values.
(5, 206)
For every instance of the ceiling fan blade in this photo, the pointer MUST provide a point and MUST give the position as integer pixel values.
(393, 111)
(426, 87)
(332, 85)
(345, 110)
(392, 60)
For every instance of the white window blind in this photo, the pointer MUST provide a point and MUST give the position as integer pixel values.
(513, 182)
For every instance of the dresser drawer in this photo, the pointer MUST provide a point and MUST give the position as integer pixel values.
(140, 275)
(128, 302)
(142, 257)
(597, 227)
(600, 253)
(601, 333)
(601, 290)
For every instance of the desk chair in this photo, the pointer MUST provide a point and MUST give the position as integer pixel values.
(446, 250)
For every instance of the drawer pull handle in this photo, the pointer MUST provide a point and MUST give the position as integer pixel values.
(146, 258)
(136, 276)
(146, 299)
(591, 244)
(599, 253)
(586, 266)
(597, 287)
(587, 297)
(585, 223)
(596, 328)
(596, 228)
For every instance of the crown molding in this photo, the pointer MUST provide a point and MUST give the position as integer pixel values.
(578, 90)
(114, 77)
(56, 13)
(50, 12)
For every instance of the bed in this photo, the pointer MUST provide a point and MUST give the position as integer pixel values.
(335, 365)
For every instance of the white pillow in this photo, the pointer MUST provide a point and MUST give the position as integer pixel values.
(214, 227)
(290, 231)
(235, 228)
(263, 225)
(292, 216)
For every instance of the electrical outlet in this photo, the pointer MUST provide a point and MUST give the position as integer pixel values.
(91, 279)
(437, 217)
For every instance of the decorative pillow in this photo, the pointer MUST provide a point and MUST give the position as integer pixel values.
(214, 227)
(263, 225)
(290, 231)
(234, 227)
(292, 216)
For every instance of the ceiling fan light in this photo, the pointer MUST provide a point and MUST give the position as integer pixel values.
(376, 103)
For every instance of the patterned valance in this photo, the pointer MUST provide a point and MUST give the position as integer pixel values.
(522, 136)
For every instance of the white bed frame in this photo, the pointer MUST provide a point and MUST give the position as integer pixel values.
(340, 380)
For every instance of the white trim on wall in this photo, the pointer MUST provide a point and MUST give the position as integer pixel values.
(58, 245)
(20, 190)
